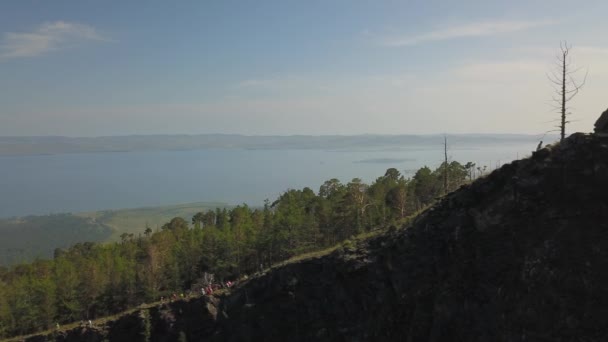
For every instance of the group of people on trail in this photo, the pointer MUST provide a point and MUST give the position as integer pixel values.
(205, 291)
(208, 290)
(89, 324)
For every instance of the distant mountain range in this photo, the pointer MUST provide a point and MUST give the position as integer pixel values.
(21, 146)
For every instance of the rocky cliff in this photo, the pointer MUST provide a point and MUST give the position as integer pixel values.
(519, 255)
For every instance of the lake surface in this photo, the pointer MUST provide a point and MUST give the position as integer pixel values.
(36, 185)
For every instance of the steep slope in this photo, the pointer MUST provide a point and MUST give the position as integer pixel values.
(520, 255)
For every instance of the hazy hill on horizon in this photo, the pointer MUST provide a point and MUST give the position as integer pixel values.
(41, 145)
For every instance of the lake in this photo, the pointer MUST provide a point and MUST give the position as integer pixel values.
(36, 185)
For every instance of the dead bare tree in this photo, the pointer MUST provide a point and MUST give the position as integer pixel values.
(564, 85)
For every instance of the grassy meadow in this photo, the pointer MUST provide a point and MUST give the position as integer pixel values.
(24, 239)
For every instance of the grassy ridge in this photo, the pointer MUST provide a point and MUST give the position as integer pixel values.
(134, 221)
(27, 238)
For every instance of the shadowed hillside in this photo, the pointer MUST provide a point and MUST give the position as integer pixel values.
(27, 238)
(519, 255)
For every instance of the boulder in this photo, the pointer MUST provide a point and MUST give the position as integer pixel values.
(601, 125)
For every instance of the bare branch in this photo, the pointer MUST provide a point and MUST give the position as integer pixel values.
(584, 80)
(552, 77)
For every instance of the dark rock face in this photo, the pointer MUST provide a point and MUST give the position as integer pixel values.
(520, 255)
(601, 125)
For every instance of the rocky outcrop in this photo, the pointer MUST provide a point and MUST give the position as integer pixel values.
(601, 125)
(520, 255)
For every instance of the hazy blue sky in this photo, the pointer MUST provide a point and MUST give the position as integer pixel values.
(82, 68)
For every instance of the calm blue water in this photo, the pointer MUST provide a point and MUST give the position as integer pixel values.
(35, 185)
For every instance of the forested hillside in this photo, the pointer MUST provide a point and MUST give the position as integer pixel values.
(90, 280)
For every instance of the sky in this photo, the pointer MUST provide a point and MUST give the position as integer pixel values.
(98, 68)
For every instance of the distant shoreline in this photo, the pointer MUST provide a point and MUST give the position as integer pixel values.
(152, 208)
(54, 145)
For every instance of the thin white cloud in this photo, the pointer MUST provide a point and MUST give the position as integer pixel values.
(514, 71)
(273, 82)
(477, 29)
(281, 83)
(253, 83)
(49, 36)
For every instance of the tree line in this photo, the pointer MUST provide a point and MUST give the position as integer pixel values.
(91, 280)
